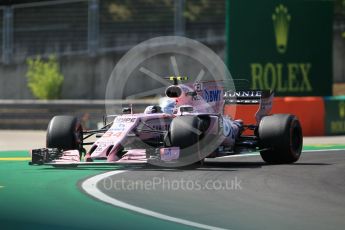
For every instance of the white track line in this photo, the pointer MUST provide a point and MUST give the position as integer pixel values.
(90, 187)
(324, 150)
(304, 151)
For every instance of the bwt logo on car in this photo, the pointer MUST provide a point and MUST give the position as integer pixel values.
(212, 95)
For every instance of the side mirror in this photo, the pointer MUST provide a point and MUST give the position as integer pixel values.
(126, 110)
(192, 94)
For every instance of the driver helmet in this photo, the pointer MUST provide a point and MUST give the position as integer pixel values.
(168, 105)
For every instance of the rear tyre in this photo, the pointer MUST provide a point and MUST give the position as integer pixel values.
(281, 136)
(65, 132)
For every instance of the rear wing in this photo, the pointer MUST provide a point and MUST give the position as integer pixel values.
(212, 95)
(264, 98)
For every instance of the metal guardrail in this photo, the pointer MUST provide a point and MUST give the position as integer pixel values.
(36, 114)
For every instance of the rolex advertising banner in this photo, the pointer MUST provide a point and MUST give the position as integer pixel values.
(282, 45)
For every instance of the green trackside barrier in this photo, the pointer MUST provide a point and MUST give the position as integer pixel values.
(335, 115)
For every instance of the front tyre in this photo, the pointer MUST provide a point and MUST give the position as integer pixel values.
(186, 132)
(65, 132)
(280, 138)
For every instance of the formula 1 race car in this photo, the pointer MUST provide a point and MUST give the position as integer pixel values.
(187, 127)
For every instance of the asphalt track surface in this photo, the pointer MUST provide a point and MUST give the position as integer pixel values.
(305, 195)
(309, 194)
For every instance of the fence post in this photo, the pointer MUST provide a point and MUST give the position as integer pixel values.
(227, 33)
(93, 27)
(7, 33)
(179, 22)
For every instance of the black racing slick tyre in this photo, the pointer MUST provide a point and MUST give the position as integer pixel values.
(65, 132)
(280, 138)
(186, 132)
